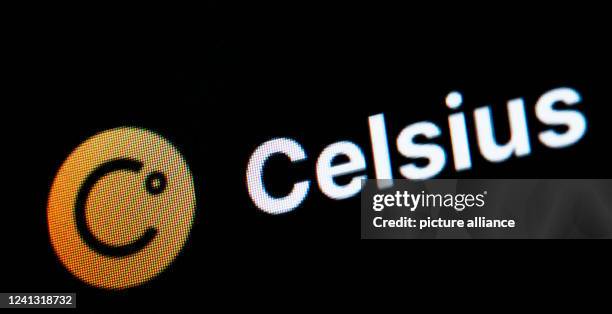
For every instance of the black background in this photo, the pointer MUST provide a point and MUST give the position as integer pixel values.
(227, 78)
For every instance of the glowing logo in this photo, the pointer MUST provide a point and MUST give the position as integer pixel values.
(121, 208)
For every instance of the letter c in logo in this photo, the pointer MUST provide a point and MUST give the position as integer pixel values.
(121, 208)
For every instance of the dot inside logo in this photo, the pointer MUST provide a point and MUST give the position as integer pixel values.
(121, 208)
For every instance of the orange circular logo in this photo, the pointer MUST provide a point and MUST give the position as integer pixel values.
(121, 208)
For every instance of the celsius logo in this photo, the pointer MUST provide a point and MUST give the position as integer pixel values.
(122, 205)
(121, 208)
(552, 110)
